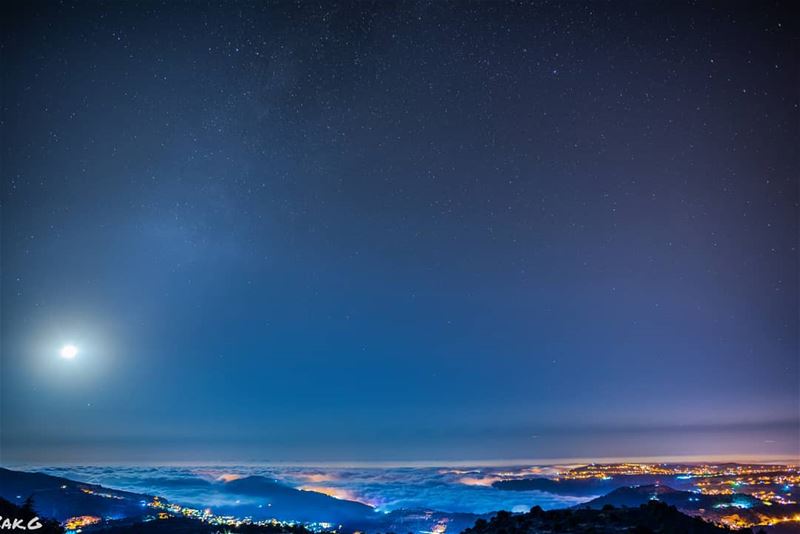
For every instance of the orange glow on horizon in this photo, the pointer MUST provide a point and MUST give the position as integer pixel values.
(229, 477)
(336, 493)
(316, 478)
(475, 481)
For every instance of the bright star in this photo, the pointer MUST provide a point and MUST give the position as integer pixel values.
(69, 351)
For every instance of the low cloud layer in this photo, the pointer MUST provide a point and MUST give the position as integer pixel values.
(386, 489)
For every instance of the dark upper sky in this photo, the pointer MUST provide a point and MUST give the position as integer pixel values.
(386, 231)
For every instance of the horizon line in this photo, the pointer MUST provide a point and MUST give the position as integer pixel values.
(777, 459)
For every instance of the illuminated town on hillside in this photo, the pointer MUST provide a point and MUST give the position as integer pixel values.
(163, 510)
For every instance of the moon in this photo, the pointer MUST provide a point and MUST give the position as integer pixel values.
(68, 352)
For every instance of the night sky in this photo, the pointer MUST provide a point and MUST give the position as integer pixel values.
(399, 231)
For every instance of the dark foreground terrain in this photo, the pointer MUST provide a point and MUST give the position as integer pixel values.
(653, 517)
(27, 517)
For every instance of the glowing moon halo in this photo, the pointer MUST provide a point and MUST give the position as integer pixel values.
(68, 352)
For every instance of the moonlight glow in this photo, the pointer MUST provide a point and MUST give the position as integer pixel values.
(68, 351)
(397, 231)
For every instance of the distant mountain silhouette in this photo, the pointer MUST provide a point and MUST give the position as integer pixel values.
(683, 500)
(582, 487)
(286, 503)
